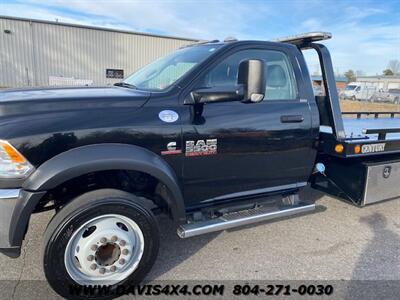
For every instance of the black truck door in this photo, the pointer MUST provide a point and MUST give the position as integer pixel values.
(235, 148)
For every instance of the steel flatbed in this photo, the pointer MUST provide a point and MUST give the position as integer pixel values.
(362, 167)
(359, 152)
(370, 133)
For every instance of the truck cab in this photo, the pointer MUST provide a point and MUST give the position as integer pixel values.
(247, 134)
(216, 135)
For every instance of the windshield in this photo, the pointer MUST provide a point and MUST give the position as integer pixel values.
(165, 71)
(350, 87)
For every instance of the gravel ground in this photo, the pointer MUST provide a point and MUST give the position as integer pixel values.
(348, 105)
(336, 242)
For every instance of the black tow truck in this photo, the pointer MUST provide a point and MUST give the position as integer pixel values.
(216, 135)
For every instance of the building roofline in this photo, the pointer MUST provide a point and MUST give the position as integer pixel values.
(337, 79)
(380, 77)
(97, 28)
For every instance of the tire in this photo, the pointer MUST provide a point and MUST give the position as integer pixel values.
(353, 98)
(397, 100)
(103, 208)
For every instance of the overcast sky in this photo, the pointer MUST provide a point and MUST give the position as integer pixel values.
(366, 34)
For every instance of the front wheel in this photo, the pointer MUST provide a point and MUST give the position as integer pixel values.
(104, 237)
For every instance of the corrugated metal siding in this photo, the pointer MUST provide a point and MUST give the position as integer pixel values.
(15, 54)
(34, 51)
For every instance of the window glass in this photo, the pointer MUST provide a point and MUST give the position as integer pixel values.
(165, 71)
(281, 84)
(168, 76)
(350, 87)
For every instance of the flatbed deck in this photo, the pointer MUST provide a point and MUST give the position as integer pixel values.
(366, 133)
(355, 128)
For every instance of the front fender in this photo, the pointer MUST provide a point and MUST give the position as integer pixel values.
(101, 157)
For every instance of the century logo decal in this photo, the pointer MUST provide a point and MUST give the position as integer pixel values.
(201, 147)
(372, 148)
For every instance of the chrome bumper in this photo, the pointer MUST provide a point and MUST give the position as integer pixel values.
(9, 193)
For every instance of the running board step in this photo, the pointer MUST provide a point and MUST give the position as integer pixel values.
(240, 218)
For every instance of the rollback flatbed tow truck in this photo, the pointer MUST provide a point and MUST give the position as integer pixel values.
(216, 135)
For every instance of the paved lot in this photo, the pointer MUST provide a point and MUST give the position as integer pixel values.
(337, 242)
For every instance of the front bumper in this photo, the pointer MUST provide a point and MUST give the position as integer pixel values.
(8, 201)
(16, 206)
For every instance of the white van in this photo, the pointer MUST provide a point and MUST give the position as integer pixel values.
(359, 91)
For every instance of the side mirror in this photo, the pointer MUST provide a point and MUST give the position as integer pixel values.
(216, 94)
(250, 86)
(253, 78)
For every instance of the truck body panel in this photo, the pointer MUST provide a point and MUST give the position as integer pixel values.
(214, 158)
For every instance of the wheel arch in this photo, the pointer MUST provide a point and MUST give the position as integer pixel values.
(102, 157)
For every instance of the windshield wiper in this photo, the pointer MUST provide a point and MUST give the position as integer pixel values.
(125, 84)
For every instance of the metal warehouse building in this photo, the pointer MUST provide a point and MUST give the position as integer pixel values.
(382, 82)
(42, 53)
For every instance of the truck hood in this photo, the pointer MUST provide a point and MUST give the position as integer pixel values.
(39, 100)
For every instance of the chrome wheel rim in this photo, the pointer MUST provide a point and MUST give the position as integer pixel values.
(104, 250)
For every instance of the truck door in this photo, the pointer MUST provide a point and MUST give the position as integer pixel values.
(234, 148)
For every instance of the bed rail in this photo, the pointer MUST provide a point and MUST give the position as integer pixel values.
(376, 114)
(381, 132)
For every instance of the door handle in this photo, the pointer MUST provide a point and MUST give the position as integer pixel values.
(292, 119)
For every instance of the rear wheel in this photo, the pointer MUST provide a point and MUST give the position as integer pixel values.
(105, 237)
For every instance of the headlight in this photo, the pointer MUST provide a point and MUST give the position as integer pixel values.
(12, 163)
